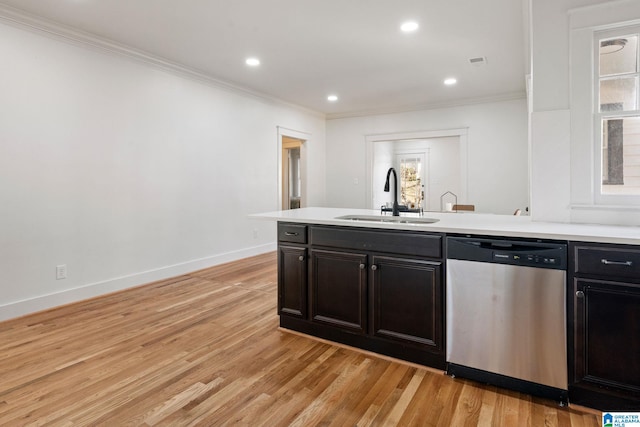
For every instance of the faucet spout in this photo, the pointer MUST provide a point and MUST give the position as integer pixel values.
(394, 211)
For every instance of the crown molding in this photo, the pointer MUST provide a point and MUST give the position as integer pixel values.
(434, 106)
(18, 18)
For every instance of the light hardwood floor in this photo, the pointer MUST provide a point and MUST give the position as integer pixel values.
(205, 349)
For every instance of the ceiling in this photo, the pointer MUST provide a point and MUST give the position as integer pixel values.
(310, 49)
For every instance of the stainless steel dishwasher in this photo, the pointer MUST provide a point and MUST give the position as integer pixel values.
(506, 321)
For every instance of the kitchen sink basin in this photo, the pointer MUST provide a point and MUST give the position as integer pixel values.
(391, 219)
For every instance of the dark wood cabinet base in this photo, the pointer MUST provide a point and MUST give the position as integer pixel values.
(377, 290)
(603, 399)
(365, 342)
(603, 326)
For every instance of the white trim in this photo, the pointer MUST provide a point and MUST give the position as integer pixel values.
(292, 133)
(439, 133)
(51, 29)
(461, 133)
(44, 302)
(434, 106)
(605, 207)
(604, 15)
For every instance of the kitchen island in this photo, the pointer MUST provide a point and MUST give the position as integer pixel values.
(381, 285)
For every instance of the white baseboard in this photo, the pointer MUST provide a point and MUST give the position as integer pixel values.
(48, 301)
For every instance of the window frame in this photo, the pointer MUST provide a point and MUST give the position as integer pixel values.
(599, 117)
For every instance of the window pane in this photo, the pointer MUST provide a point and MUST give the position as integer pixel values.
(621, 156)
(618, 56)
(618, 94)
(411, 193)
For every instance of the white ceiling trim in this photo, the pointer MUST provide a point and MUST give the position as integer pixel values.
(20, 19)
(457, 103)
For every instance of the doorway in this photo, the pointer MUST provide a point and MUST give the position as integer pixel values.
(444, 167)
(291, 173)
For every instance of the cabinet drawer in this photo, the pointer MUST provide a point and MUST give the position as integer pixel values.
(396, 242)
(295, 233)
(610, 262)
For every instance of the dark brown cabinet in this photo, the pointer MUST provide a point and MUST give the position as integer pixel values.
(339, 289)
(292, 270)
(380, 290)
(292, 281)
(604, 326)
(407, 296)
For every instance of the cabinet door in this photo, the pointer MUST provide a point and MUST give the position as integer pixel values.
(292, 281)
(407, 300)
(607, 328)
(339, 289)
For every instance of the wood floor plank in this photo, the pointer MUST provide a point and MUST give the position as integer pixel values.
(467, 410)
(204, 349)
(405, 398)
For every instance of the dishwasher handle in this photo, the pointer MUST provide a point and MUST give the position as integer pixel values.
(510, 246)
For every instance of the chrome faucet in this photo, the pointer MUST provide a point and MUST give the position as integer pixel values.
(394, 211)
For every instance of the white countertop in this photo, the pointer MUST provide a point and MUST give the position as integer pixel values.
(468, 223)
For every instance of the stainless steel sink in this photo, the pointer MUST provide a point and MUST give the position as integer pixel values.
(391, 219)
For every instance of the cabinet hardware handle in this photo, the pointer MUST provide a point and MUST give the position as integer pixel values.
(301, 258)
(580, 294)
(288, 233)
(362, 266)
(374, 267)
(625, 263)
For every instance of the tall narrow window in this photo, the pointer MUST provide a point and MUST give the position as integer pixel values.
(618, 114)
(411, 167)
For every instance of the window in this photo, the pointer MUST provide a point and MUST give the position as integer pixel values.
(411, 179)
(603, 116)
(617, 112)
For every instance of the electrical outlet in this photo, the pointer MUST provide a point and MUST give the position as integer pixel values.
(61, 271)
(255, 233)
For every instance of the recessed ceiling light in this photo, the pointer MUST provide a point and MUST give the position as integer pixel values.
(252, 62)
(409, 26)
(450, 81)
(332, 98)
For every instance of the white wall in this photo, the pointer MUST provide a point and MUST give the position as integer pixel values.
(127, 173)
(497, 152)
(383, 156)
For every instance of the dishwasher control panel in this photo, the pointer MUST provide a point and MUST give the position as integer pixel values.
(526, 259)
(531, 253)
